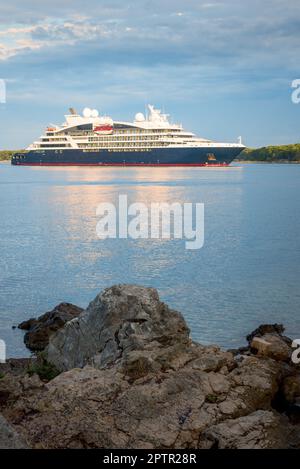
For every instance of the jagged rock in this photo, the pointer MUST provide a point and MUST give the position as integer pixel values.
(291, 389)
(40, 329)
(155, 409)
(16, 366)
(271, 345)
(259, 430)
(28, 324)
(121, 319)
(15, 385)
(9, 438)
(213, 359)
(288, 398)
(260, 345)
(10, 389)
(267, 340)
(264, 329)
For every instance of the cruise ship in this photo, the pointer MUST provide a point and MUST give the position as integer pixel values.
(150, 140)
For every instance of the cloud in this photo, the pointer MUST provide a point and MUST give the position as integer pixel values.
(199, 33)
(122, 53)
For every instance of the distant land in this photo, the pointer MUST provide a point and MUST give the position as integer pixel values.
(269, 154)
(6, 154)
(272, 154)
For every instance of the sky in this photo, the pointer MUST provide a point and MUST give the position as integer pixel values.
(221, 68)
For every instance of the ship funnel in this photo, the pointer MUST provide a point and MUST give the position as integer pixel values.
(72, 111)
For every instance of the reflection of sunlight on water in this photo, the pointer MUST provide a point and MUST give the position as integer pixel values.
(71, 208)
(138, 175)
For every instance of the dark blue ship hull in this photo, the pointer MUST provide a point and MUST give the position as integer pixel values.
(213, 156)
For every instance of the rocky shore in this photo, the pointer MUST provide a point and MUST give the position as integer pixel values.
(124, 373)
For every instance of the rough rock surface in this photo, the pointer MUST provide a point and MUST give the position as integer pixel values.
(134, 379)
(119, 321)
(259, 430)
(40, 329)
(272, 345)
(9, 438)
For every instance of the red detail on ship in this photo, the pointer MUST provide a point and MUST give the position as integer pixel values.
(103, 128)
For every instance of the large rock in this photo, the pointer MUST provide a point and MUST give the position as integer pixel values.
(122, 319)
(171, 408)
(40, 329)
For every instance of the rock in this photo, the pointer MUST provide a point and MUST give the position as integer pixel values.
(267, 340)
(14, 385)
(28, 324)
(40, 329)
(259, 430)
(98, 408)
(273, 346)
(212, 359)
(106, 408)
(9, 438)
(10, 389)
(264, 329)
(291, 389)
(16, 366)
(121, 319)
(288, 400)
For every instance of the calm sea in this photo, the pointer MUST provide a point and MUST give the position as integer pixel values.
(246, 274)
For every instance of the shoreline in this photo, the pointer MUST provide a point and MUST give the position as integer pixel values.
(281, 162)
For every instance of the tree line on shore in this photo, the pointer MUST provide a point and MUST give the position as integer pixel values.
(272, 154)
(7, 154)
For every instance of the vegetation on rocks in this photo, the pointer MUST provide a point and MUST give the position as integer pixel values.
(45, 370)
